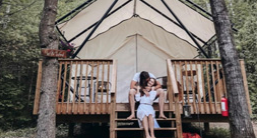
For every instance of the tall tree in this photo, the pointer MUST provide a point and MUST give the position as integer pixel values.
(1, 2)
(19, 54)
(240, 122)
(48, 39)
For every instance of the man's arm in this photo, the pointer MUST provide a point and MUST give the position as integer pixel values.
(157, 82)
(133, 85)
(158, 85)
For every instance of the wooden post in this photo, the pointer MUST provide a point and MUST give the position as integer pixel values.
(69, 86)
(71, 129)
(206, 126)
(173, 84)
(208, 84)
(37, 92)
(58, 110)
(243, 70)
(113, 100)
(108, 88)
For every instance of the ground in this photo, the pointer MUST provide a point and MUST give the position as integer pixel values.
(62, 131)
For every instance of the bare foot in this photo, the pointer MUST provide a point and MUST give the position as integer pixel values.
(131, 117)
(162, 116)
(153, 136)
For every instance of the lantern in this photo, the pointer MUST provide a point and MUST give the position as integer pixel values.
(187, 111)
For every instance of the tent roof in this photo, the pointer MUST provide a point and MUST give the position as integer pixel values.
(164, 41)
(196, 23)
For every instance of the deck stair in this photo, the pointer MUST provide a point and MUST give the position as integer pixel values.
(167, 126)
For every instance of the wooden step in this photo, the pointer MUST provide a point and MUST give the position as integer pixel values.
(122, 110)
(130, 129)
(158, 119)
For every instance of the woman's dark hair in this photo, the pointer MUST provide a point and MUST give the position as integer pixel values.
(155, 83)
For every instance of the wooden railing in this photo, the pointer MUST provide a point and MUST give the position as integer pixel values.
(85, 86)
(200, 84)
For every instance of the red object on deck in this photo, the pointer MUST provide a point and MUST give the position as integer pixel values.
(224, 106)
(191, 135)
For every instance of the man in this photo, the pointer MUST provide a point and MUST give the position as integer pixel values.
(145, 76)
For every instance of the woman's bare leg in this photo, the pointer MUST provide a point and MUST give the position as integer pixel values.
(132, 93)
(145, 125)
(151, 126)
(161, 101)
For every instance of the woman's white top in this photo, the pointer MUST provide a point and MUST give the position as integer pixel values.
(146, 107)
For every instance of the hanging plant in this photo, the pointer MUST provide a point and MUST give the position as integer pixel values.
(69, 47)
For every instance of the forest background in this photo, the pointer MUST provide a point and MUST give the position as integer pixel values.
(20, 53)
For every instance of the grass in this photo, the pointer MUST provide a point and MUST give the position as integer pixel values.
(19, 133)
(61, 132)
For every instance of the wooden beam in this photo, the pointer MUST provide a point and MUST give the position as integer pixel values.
(82, 118)
(206, 118)
(80, 107)
(37, 92)
(85, 60)
(206, 126)
(172, 77)
(243, 70)
(71, 129)
(113, 100)
(203, 59)
(114, 76)
(125, 107)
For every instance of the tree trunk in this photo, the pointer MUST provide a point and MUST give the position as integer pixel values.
(48, 39)
(1, 3)
(239, 118)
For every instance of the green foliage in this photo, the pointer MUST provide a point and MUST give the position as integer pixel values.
(247, 47)
(218, 133)
(26, 133)
(65, 6)
(19, 54)
(215, 132)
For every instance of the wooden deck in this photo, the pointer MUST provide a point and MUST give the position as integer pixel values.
(199, 83)
(86, 92)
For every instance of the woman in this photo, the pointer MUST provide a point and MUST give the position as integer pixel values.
(146, 112)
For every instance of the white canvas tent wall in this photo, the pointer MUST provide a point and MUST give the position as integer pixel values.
(137, 36)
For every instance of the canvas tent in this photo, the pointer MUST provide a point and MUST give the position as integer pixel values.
(140, 34)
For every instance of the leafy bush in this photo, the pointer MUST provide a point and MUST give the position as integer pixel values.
(217, 133)
(213, 133)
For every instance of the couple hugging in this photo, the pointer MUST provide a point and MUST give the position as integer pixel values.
(146, 92)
